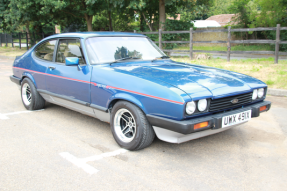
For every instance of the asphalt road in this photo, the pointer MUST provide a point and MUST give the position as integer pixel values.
(59, 149)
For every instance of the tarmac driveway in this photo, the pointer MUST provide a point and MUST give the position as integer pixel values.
(59, 149)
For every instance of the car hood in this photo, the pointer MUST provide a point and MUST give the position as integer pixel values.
(194, 80)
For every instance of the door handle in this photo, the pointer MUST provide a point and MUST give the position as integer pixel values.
(52, 67)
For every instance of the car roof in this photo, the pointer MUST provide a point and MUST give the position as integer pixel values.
(93, 34)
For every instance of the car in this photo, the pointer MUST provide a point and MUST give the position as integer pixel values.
(126, 80)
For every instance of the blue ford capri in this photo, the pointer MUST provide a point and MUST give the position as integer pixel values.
(126, 80)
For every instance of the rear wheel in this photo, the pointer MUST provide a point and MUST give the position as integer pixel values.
(31, 99)
(130, 127)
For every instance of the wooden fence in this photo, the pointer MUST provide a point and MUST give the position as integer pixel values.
(29, 40)
(277, 42)
(34, 37)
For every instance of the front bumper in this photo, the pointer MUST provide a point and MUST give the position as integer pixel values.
(181, 131)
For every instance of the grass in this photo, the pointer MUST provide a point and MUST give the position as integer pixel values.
(274, 75)
(214, 47)
(9, 51)
(17, 41)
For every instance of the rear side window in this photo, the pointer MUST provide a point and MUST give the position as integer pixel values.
(46, 50)
(69, 48)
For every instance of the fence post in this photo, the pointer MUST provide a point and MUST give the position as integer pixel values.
(27, 41)
(12, 40)
(135, 31)
(19, 40)
(1, 40)
(277, 43)
(190, 44)
(6, 40)
(228, 44)
(159, 39)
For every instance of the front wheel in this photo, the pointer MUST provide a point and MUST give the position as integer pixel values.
(130, 127)
(31, 99)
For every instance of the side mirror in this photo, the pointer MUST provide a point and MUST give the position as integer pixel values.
(72, 61)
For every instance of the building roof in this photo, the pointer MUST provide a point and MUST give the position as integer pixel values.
(222, 19)
(205, 23)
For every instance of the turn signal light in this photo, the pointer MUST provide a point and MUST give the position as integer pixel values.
(263, 108)
(200, 125)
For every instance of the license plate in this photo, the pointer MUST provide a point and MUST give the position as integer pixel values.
(236, 118)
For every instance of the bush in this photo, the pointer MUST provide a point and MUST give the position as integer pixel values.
(173, 25)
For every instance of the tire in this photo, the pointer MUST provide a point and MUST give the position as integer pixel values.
(31, 99)
(129, 126)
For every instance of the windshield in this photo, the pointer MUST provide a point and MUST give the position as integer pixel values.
(110, 49)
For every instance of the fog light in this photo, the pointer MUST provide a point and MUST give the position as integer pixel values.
(200, 125)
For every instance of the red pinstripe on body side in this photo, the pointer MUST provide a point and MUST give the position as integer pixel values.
(54, 75)
(145, 95)
(95, 84)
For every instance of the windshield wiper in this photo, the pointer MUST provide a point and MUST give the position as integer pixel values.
(126, 58)
(162, 57)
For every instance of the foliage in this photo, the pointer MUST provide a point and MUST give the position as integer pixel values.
(175, 25)
(150, 8)
(3, 11)
(269, 16)
(220, 7)
(246, 11)
(201, 10)
(27, 13)
(259, 13)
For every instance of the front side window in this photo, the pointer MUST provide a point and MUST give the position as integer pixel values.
(46, 50)
(109, 49)
(69, 48)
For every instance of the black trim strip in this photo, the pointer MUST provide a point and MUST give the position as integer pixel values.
(74, 100)
(99, 108)
(186, 126)
(16, 80)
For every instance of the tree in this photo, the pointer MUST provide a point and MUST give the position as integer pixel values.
(147, 11)
(155, 11)
(83, 9)
(220, 7)
(3, 11)
(245, 12)
(25, 13)
(271, 14)
(162, 15)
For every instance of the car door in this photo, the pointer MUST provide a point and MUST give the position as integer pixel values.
(69, 82)
(42, 58)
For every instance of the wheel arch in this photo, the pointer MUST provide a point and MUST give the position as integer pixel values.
(28, 75)
(128, 98)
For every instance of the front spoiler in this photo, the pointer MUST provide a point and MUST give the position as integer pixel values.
(180, 131)
(174, 137)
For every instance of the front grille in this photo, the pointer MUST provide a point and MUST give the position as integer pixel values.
(225, 103)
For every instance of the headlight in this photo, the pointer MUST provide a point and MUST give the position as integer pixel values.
(190, 108)
(254, 95)
(260, 92)
(202, 104)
